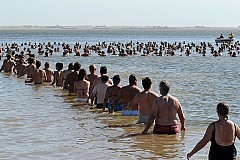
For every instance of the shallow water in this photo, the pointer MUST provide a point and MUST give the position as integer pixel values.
(41, 122)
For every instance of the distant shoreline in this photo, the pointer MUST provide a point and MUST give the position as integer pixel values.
(104, 27)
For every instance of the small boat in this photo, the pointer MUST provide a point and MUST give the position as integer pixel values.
(224, 40)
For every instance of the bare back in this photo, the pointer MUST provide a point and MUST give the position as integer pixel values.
(145, 102)
(127, 94)
(224, 133)
(166, 107)
(49, 74)
(38, 76)
(82, 88)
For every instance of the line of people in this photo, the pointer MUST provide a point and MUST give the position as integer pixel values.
(161, 110)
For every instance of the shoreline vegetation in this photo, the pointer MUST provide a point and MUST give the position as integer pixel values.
(89, 27)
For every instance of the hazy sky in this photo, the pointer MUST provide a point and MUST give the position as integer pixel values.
(212, 13)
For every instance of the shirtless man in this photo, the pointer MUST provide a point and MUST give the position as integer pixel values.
(57, 75)
(49, 72)
(67, 71)
(127, 93)
(30, 67)
(71, 78)
(39, 75)
(99, 91)
(20, 68)
(165, 109)
(144, 100)
(7, 65)
(103, 70)
(92, 76)
(111, 94)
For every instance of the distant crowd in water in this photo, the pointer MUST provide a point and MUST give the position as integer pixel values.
(120, 49)
(101, 92)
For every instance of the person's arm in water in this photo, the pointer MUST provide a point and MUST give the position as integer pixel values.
(206, 138)
(117, 99)
(152, 116)
(181, 117)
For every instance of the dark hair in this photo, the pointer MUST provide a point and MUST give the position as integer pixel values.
(59, 66)
(104, 78)
(47, 64)
(116, 80)
(8, 56)
(76, 66)
(30, 60)
(92, 67)
(38, 63)
(223, 109)
(70, 66)
(132, 79)
(146, 83)
(164, 86)
(82, 74)
(103, 70)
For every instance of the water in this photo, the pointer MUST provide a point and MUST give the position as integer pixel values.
(41, 122)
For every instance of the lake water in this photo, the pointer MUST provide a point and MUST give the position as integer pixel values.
(42, 122)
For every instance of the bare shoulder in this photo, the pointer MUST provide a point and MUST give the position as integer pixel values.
(136, 88)
(153, 94)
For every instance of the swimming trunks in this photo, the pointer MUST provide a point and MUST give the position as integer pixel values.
(143, 119)
(119, 107)
(221, 152)
(169, 129)
(130, 112)
(81, 99)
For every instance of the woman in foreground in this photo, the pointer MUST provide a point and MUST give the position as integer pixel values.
(222, 134)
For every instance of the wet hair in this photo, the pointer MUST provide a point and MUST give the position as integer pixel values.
(8, 56)
(76, 66)
(70, 66)
(82, 74)
(30, 60)
(103, 70)
(47, 64)
(92, 67)
(116, 80)
(223, 109)
(146, 83)
(104, 78)
(59, 66)
(132, 79)
(38, 63)
(164, 86)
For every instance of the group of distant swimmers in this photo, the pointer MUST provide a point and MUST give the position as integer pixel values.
(102, 92)
(121, 49)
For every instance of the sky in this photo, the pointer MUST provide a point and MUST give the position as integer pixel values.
(171, 13)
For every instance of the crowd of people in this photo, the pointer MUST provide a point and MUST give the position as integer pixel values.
(121, 49)
(102, 92)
